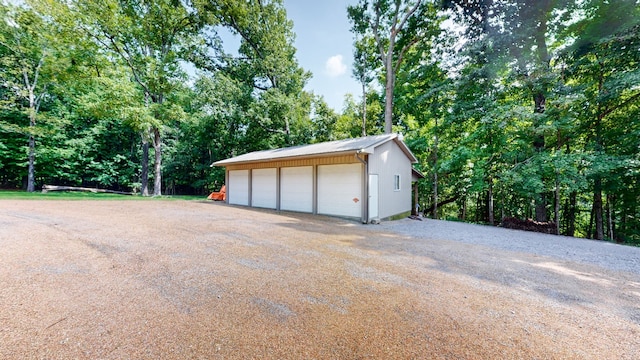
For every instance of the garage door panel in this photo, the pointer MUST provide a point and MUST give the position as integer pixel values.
(340, 190)
(296, 189)
(238, 187)
(263, 188)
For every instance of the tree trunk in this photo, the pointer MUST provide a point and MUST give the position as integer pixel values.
(463, 209)
(479, 208)
(144, 162)
(541, 207)
(442, 203)
(502, 205)
(571, 214)
(434, 213)
(490, 202)
(556, 210)
(597, 182)
(157, 175)
(415, 207)
(364, 109)
(435, 174)
(387, 46)
(31, 176)
(627, 208)
(388, 92)
(590, 228)
(287, 132)
(47, 188)
(540, 101)
(609, 217)
(538, 144)
(597, 209)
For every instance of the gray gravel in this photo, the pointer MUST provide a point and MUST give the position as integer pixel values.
(607, 255)
(601, 276)
(168, 279)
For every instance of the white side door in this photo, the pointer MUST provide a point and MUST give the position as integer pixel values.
(374, 203)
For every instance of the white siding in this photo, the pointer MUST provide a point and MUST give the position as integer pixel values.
(296, 188)
(263, 188)
(340, 190)
(387, 161)
(238, 188)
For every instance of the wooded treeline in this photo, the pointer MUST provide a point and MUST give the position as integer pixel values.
(143, 95)
(525, 109)
(514, 108)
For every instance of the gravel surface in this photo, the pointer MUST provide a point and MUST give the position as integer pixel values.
(601, 253)
(176, 279)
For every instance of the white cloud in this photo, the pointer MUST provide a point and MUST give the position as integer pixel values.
(334, 66)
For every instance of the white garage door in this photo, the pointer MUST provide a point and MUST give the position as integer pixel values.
(238, 189)
(296, 188)
(263, 188)
(340, 190)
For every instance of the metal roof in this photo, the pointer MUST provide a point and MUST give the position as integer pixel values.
(363, 144)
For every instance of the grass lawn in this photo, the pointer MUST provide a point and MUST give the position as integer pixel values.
(81, 195)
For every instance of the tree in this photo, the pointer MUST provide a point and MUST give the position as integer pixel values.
(26, 72)
(605, 63)
(363, 66)
(323, 121)
(424, 97)
(515, 34)
(265, 62)
(349, 123)
(395, 27)
(151, 37)
(555, 58)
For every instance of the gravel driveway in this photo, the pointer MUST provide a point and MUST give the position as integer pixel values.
(175, 279)
(591, 252)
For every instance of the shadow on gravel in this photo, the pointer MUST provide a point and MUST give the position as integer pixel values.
(485, 259)
(563, 282)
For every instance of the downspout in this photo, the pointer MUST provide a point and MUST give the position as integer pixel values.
(226, 182)
(365, 200)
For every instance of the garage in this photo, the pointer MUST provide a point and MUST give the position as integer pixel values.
(367, 178)
(340, 190)
(296, 188)
(263, 188)
(238, 189)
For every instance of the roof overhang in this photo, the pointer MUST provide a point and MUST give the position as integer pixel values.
(405, 149)
(335, 148)
(232, 161)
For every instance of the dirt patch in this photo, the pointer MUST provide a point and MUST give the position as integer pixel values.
(174, 280)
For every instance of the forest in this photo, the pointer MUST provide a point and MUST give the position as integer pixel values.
(514, 108)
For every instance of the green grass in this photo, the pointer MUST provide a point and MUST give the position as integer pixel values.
(79, 195)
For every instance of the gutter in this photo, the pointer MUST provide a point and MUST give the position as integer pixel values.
(365, 200)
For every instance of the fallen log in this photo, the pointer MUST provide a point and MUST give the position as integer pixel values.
(440, 204)
(47, 188)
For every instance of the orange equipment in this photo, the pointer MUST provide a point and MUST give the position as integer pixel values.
(220, 195)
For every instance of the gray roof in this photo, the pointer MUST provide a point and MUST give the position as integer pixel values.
(362, 144)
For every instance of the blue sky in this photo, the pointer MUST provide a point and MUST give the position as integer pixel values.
(324, 47)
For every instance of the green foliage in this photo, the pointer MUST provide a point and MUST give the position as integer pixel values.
(79, 195)
(535, 113)
(526, 116)
(386, 31)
